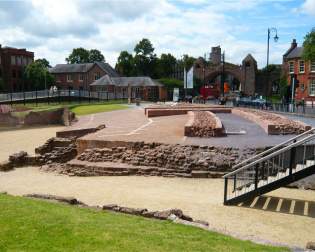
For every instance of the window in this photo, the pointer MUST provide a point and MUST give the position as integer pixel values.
(24, 61)
(312, 87)
(13, 60)
(13, 73)
(301, 66)
(312, 66)
(291, 67)
(69, 78)
(97, 76)
(81, 77)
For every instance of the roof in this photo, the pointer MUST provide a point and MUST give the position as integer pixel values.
(249, 57)
(125, 81)
(83, 68)
(295, 53)
(72, 68)
(108, 69)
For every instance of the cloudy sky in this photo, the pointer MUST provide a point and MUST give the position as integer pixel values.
(51, 28)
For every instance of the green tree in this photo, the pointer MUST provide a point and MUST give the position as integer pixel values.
(165, 66)
(78, 55)
(96, 55)
(125, 64)
(44, 62)
(309, 45)
(145, 60)
(38, 76)
(188, 61)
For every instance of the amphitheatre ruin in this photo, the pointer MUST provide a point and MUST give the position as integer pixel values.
(191, 145)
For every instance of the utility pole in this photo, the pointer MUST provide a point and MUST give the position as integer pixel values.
(222, 76)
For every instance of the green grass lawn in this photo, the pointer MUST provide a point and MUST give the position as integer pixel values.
(33, 225)
(77, 108)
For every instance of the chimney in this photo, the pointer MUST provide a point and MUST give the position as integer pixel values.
(293, 44)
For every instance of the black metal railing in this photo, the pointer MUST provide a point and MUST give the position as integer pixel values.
(262, 171)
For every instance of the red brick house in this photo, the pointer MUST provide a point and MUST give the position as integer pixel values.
(295, 66)
(80, 76)
(142, 87)
(12, 64)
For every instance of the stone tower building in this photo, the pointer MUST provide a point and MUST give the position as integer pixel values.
(249, 69)
(215, 55)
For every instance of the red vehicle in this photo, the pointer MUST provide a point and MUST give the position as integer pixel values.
(210, 91)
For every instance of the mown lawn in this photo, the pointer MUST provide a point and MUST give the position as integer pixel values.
(33, 225)
(77, 108)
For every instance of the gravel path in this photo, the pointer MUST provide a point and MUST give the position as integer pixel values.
(200, 198)
(28, 139)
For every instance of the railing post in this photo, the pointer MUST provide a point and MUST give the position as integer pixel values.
(89, 96)
(292, 159)
(234, 186)
(36, 96)
(48, 96)
(23, 96)
(256, 176)
(225, 189)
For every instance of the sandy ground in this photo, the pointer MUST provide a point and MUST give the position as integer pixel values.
(200, 198)
(15, 140)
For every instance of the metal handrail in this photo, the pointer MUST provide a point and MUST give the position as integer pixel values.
(270, 155)
(272, 149)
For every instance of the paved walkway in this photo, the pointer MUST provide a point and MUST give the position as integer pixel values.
(133, 125)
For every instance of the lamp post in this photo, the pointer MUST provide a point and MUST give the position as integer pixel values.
(223, 74)
(270, 30)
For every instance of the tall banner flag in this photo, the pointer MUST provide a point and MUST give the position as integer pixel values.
(176, 94)
(185, 73)
(190, 78)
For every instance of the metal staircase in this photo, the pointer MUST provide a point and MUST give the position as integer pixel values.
(278, 166)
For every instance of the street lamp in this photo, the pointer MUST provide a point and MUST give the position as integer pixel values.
(275, 38)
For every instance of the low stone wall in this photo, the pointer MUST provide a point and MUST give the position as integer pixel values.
(181, 111)
(57, 150)
(7, 119)
(59, 116)
(203, 124)
(78, 132)
(273, 124)
(170, 160)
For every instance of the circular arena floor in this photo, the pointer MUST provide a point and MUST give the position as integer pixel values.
(133, 125)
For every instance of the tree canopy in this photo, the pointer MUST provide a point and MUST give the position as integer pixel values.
(82, 55)
(125, 64)
(44, 62)
(37, 74)
(309, 45)
(145, 62)
(96, 55)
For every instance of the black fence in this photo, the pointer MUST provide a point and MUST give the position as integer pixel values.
(61, 96)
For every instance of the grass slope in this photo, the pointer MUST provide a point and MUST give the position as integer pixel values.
(77, 108)
(33, 225)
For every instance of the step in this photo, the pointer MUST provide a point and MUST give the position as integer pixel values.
(310, 162)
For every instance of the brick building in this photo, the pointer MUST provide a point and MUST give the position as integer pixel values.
(294, 66)
(137, 87)
(80, 76)
(12, 65)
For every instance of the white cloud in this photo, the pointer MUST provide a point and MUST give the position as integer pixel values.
(308, 7)
(52, 28)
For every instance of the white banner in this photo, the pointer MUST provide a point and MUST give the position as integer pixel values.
(176, 94)
(190, 78)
